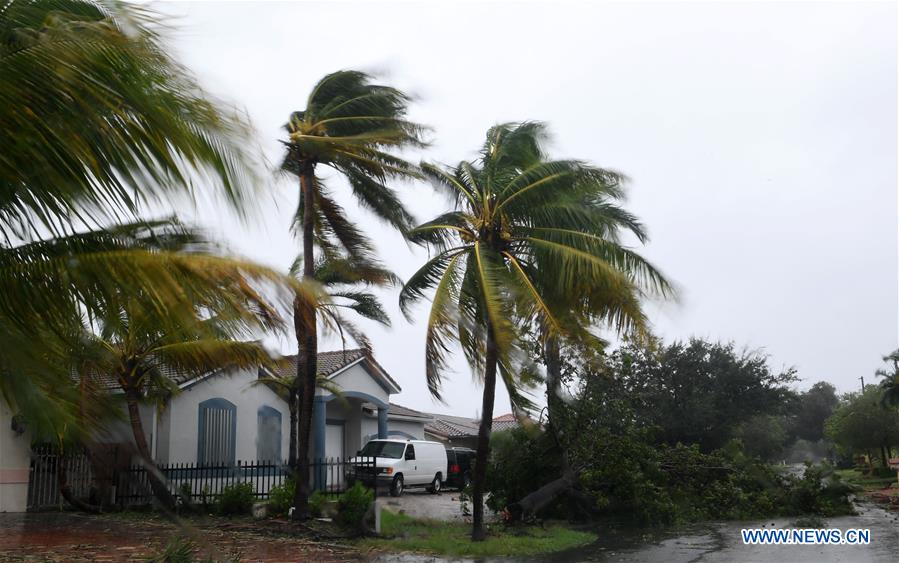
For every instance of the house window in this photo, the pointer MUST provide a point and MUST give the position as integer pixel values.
(268, 434)
(217, 432)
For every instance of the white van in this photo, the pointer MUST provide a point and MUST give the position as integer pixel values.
(401, 464)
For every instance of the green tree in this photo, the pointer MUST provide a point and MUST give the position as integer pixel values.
(699, 392)
(351, 126)
(762, 436)
(863, 423)
(518, 216)
(890, 381)
(814, 407)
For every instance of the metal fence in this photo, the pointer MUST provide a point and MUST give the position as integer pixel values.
(43, 478)
(129, 485)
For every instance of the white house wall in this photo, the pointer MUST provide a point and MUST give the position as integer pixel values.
(118, 430)
(349, 411)
(15, 458)
(355, 378)
(238, 388)
(414, 429)
(369, 429)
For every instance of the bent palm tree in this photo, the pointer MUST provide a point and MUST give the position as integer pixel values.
(522, 234)
(349, 125)
(156, 269)
(342, 279)
(98, 120)
(140, 349)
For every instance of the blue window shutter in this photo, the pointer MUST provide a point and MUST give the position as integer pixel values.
(268, 434)
(216, 432)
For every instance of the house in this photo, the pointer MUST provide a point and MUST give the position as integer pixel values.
(234, 414)
(458, 431)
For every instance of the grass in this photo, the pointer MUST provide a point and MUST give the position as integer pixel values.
(866, 482)
(403, 533)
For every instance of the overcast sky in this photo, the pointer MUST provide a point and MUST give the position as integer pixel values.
(760, 139)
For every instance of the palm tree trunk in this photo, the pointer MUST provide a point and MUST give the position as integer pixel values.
(532, 503)
(480, 468)
(553, 361)
(160, 490)
(292, 406)
(62, 481)
(307, 350)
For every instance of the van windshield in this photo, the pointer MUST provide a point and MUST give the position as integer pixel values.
(392, 450)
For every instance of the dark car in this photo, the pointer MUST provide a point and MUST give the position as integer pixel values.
(459, 463)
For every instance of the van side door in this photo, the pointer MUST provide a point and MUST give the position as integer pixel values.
(413, 475)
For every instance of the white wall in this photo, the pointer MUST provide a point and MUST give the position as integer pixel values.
(14, 462)
(356, 378)
(118, 431)
(416, 429)
(237, 387)
(348, 410)
(369, 428)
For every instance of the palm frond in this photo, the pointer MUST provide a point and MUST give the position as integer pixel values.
(99, 119)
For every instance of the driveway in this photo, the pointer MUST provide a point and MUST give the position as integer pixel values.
(419, 503)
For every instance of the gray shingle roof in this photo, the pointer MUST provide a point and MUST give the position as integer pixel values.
(405, 411)
(108, 381)
(458, 426)
(331, 362)
(328, 362)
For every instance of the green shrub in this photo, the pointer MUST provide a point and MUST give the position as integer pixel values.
(883, 472)
(353, 506)
(281, 497)
(658, 484)
(177, 550)
(181, 550)
(236, 499)
(317, 503)
(185, 493)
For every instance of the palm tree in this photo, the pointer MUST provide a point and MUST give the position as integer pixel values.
(98, 120)
(890, 382)
(351, 126)
(139, 349)
(342, 279)
(523, 234)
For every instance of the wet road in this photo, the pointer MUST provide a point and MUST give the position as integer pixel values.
(721, 542)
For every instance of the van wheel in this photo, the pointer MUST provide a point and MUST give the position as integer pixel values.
(466, 481)
(396, 488)
(436, 485)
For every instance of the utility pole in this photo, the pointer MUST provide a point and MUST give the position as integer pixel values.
(863, 383)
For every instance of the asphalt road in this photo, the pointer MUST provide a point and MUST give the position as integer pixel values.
(721, 542)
